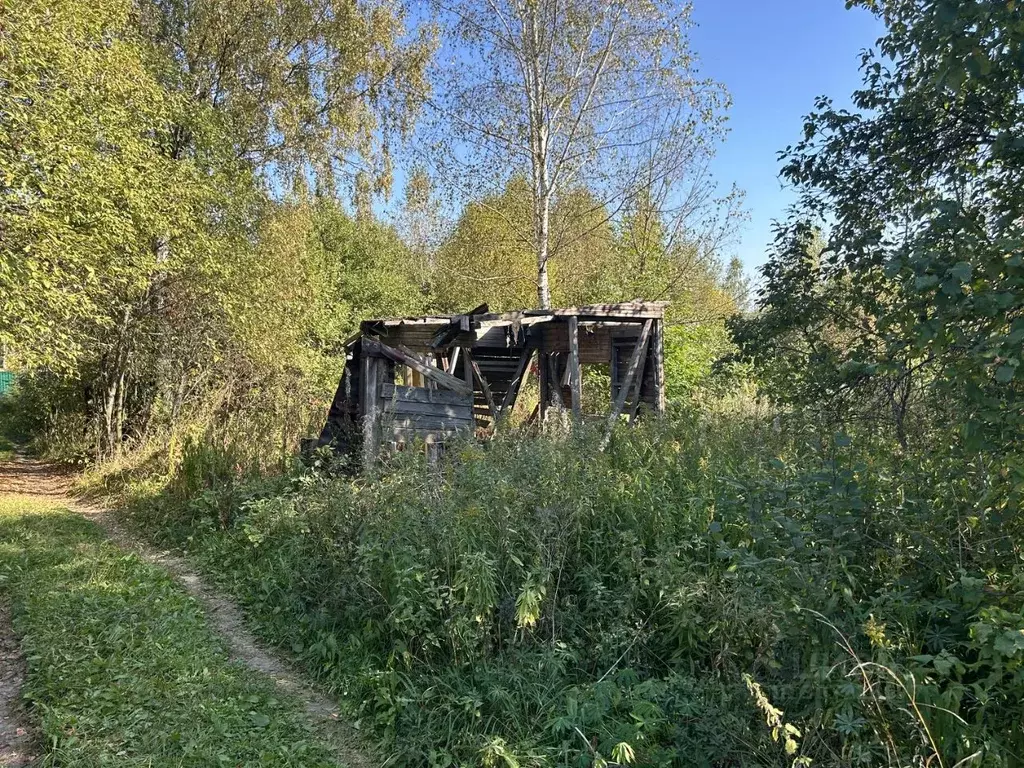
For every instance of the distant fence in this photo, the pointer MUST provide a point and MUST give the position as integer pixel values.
(6, 381)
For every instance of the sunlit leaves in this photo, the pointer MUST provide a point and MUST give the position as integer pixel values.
(922, 179)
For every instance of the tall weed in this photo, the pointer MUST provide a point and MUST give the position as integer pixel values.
(533, 601)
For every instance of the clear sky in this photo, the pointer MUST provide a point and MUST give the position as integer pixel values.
(775, 57)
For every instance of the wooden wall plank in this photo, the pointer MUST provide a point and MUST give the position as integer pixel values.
(422, 421)
(399, 408)
(423, 395)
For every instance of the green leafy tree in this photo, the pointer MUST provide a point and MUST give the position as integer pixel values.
(921, 187)
(326, 87)
(488, 256)
(138, 144)
(573, 94)
(85, 186)
(816, 348)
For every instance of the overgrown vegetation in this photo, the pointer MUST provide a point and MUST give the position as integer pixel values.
(815, 559)
(539, 603)
(122, 667)
(195, 210)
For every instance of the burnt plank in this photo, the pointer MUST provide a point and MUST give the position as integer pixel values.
(627, 382)
(405, 356)
(423, 395)
(398, 408)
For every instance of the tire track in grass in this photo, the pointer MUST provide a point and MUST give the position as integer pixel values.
(242, 645)
(44, 482)
(16, 739)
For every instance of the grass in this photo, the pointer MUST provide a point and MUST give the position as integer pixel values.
(7, 448)
(533, 602)
(122, 666)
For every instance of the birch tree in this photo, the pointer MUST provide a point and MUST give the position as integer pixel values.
(572, 94)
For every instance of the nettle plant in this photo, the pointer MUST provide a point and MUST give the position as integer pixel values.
(534, 601)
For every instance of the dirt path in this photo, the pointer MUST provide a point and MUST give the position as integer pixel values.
(28, 477)
(15, 737)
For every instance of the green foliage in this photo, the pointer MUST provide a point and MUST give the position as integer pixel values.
(143, 262)
(156, 286)
(83, 187)
(538, 90)
(122, 666)
(44, 412)
(816, 348)
(307, 88)
(489, 255)
(691, 352)
(920, 185)
(535, 602)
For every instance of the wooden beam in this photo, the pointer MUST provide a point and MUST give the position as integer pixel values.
(575, 374)
(428, 365)
(391, 322)
(484, 386)
(638, 383)
(658, 353)
(446, 335)
(627, 382)
(638, 310)
(467, 370)
(512, 393)
(369, 400)
(406, 357)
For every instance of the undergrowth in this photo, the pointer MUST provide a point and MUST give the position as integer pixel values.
(122, 667)
(712, 591)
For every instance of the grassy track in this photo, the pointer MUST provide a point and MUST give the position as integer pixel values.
(122, 667)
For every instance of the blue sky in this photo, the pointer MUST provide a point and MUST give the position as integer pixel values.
(775, 57)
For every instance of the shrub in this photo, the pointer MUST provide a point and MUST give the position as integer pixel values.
(535, 602)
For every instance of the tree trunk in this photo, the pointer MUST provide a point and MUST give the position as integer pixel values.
(113, 412)
(536, 98)
(543, 287)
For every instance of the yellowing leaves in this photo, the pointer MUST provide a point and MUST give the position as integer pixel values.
(528, 603)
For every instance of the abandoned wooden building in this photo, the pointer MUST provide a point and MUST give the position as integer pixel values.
(423, 379)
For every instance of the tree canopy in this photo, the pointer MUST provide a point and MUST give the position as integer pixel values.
(920, 276)
(574, 95)
(194, 193)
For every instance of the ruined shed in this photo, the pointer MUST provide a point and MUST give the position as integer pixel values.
(416, 379)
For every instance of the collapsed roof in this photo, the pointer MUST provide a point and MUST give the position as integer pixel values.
(423, 379)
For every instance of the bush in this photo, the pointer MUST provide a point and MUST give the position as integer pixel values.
(47, 413)
(535, 602)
